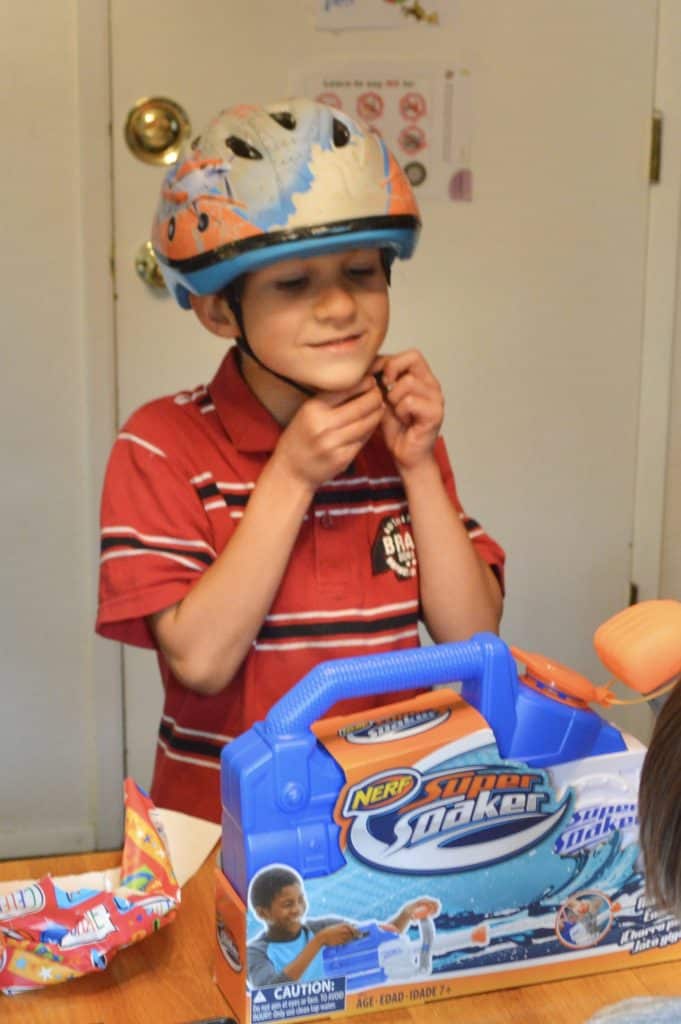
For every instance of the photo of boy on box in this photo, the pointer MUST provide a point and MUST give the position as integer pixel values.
(301, 506)
(584, 919)
(291, 948)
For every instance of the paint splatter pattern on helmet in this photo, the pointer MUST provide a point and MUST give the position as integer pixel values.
(263, 183)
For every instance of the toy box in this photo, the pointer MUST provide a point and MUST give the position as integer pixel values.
(443, 845)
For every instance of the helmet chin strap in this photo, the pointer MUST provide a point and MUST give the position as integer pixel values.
(232, 295)
(244, 346)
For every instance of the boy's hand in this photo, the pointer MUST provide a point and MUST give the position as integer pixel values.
(421, 908)
(414, 406)
(415, 910)
(328, 431)
(338, 934)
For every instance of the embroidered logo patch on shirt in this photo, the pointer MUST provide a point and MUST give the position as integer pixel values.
(394, 548)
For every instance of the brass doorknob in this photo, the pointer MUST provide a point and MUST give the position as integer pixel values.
(155, 129)
(147, 267)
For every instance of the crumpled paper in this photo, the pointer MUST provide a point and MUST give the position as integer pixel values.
(49, 933)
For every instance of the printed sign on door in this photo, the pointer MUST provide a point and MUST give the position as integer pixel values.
(423, 112)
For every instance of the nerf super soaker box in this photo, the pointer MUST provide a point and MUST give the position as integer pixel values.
(446, 844)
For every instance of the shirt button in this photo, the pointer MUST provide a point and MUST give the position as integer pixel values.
(326, 521)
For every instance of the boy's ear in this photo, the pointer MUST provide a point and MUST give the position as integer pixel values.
(215, 314)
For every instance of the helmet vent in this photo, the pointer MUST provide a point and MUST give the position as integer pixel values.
(242, 148)
(285, 119)
(341, 133)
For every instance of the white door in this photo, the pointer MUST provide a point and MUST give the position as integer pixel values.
(528, 302)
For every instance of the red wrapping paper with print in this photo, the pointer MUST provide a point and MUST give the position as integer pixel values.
(49, 934)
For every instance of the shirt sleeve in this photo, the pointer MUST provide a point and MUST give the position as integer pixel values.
(486, 546)
(156, 539)
(261, 970)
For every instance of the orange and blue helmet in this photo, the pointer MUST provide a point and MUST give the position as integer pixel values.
(265, 183)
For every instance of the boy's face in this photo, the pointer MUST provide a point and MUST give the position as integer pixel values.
(286, 911)
(319, 321)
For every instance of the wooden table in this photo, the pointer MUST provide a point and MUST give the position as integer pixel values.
(167, 978)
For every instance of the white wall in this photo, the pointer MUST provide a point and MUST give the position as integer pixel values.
(50, 455)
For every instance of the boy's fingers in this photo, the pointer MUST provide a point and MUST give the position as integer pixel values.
(427, 397)
(344, 445)
(414, 409)
(354, 409)
(408, 384)
(347, 424)
(356, 432)
(394, 367)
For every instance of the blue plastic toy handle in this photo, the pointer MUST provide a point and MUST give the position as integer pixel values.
(370, 675)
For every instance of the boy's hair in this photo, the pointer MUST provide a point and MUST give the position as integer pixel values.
(660, 807)
(268, 883)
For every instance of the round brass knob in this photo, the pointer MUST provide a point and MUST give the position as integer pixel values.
(146, 266)
(155, 129)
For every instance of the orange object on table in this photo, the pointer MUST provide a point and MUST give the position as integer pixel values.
(641, 645)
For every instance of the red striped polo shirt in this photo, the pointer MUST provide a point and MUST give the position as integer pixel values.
(177, 483)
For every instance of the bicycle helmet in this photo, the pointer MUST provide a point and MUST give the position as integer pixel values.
(265, 183)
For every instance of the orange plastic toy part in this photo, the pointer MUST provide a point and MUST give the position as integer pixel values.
(560, 682)
(641, 645)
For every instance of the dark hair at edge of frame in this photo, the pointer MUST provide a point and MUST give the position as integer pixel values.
(660, 808)
(267, 884)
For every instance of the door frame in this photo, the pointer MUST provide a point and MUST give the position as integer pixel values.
(93, 83)
(660, 310)
(94, 72)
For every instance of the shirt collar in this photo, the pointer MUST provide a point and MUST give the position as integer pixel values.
(249, 425)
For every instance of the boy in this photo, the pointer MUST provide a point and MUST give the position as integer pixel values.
(302, 506)
(291, 949)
